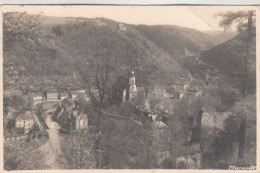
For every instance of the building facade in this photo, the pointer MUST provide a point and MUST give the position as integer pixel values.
(131, 91)
(25, 120)
(132, 86)
(37, 97)
(81, 121)
(52, 95)
(63, 95)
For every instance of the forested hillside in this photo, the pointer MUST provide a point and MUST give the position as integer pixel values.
(65, 50)
(180, 42)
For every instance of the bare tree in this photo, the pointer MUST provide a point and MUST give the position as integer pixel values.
(77, 153)
(99, 76)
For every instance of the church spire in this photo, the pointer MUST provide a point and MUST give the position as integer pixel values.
(132, 85)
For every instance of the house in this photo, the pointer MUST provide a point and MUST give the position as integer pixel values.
(67, 104)
(153, 117)
(174, 92)
(81, 121)
(63, 95)
(37, 97)
(190, 89)
(160, 124)
(181, 95)
(199, 93)
(56, 106)
(66, 120)
(25, 120)
(236, 90)
(77, 93)
(52, 95)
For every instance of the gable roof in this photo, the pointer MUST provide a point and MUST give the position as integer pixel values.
(26, 116)
(52, 91)
(37, 94)
(78, 92)
(82, 116)
(62, 94)
(191, 89)
(56, 105)
(67, 103)
(19, 130)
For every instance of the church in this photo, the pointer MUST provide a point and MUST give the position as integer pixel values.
(130, 92)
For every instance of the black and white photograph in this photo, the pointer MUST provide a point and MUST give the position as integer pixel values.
(89, 87)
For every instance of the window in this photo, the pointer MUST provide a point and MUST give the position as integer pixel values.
(133, 81)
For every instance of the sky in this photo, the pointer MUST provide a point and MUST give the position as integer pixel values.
(202, 18)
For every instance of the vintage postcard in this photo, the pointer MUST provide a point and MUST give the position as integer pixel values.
(129, 87)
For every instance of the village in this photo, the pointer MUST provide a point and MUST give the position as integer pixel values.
(69, 111)
(53, 100)
(99, 93)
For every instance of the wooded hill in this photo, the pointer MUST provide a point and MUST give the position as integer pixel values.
(229, 59)
(64, 51)
(180, 42)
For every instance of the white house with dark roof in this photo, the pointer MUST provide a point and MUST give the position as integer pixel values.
(37, 97)
(25, 120)
(77, 93)
(63, 95)
(52, 95)
(81, 121)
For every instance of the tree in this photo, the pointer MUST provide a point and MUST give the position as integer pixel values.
(77, 153)
(245, 23)
(20, 27)
(100, 76)
(245, 116)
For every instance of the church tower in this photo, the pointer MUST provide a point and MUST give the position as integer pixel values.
(132, 86)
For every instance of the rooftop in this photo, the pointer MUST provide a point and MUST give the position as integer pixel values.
(37, 94)
(82, 116)
(52, 91)
(67, 102)
(26, 116)
(19, 130)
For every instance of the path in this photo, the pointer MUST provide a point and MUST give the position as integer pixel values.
(51, 149)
